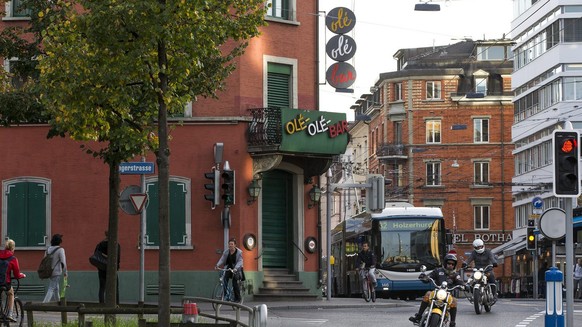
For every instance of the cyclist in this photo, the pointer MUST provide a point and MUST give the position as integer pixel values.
(13, 269)
(446, 273)
(231, 258)
(366, 259)
(482, 258)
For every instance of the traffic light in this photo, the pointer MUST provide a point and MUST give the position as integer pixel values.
(375, 193)
(213, 186)
(228, 185)
(530, 241)
(566, 163)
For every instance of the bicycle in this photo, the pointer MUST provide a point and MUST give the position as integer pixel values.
(17, 309)
(219, 288)
(368, 290)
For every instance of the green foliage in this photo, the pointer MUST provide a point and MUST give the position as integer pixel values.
(101, 74)
(19, 102)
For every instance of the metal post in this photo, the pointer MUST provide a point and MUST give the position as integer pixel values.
(568, 204)
(328, 234)
(142, 243)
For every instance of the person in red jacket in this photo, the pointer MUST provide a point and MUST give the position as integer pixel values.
(12, 270)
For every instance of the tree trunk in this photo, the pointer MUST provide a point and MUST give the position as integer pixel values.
(163, 160)
(112, 254)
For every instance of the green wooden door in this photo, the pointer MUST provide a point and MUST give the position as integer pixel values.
(277, 215)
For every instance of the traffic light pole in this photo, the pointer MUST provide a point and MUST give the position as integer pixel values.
(568, 204)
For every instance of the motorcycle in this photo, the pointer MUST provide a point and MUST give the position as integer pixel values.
(437, 313)
(482, 294)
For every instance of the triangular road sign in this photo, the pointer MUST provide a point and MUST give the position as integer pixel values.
(138, 200)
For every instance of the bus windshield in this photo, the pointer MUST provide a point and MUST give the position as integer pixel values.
(408, 243)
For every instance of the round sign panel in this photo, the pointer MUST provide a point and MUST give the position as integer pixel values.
(341, 47)
(552, 224)
(340, 20)
(341, 75)
(125, 201)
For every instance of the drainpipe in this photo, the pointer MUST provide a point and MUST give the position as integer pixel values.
(502, 171)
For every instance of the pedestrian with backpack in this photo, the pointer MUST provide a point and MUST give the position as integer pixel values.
(59, 266)
(9, 267)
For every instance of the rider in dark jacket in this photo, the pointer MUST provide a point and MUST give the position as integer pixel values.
(482, 257)
(366, 259)
(446, 273)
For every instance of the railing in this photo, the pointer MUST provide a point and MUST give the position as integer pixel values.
(257, 316)
(265, 127)
(298, 248)
(389, 149)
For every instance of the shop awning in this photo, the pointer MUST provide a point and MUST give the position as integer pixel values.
(509, 248)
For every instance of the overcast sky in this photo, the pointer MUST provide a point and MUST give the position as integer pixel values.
(384, 26)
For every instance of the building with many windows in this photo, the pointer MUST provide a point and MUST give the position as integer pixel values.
(273, 137)
(439, 134)
(547, 83)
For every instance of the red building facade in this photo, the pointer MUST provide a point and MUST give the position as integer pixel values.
(51, 186)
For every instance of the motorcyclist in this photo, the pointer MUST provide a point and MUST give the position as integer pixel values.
(446, 273)
(368, 259)
(482, 257)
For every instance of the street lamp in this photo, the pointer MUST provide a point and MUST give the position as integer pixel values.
(314, 196)
(427, 7)
(254, 191)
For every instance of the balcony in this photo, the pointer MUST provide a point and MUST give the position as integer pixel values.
(392, 151)
(264, 134)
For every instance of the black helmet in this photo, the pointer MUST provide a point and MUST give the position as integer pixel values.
(450, 257)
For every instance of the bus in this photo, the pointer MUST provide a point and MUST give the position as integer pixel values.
(403, 239)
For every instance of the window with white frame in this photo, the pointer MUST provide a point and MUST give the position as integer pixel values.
(397, 91)
(280, 82)
(15, 9)
(481, 172)
(481, 215)
(433, 173)
(282, 9)
(481, 85)
(433, 131)
(26, 211)
(481, 130)
(433, 90)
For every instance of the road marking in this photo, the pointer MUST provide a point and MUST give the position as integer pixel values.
(306, 322)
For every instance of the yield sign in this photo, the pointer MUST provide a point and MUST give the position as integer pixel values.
(138, 200)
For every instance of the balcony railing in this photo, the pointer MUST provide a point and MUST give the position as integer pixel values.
(391, 150)
(265, 127)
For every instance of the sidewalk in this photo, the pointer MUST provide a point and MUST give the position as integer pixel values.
(334, 303)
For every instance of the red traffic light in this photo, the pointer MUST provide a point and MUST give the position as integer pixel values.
(568, 145)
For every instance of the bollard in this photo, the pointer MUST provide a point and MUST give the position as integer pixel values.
(190, 312)
(554, 304)
(260, 316)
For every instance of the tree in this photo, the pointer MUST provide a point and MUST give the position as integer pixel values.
(113, 72)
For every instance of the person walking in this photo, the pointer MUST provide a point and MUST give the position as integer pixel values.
(59, 265)
(13, 269)
(578, 279)
(231, 258)
(102, 247)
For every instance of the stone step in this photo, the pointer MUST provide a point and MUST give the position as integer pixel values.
(284, 297)
(282, 284)
(297, 290)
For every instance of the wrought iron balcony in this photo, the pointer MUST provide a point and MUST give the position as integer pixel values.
(265, 128)
(390, 150)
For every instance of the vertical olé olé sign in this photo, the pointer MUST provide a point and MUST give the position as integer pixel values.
(340, 48)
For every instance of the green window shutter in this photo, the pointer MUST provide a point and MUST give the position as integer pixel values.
(152, 227)
(279, 85)
(177, 214)
(26, 213)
